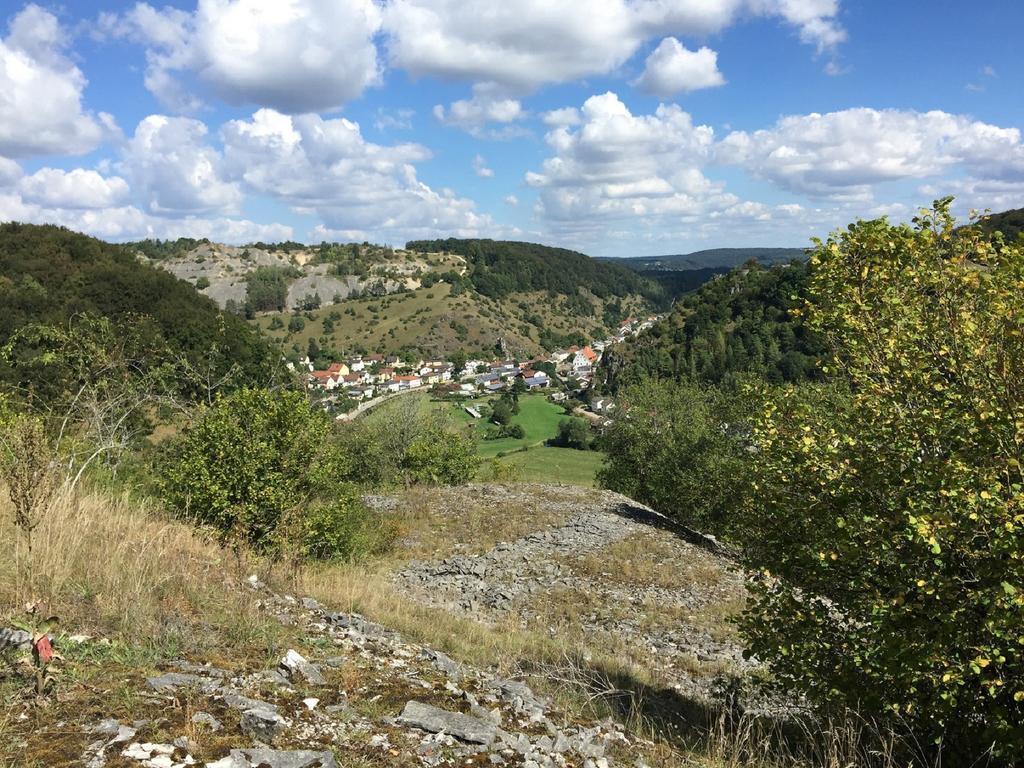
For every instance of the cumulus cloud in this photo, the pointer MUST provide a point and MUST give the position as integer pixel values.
(511, 200)
(842, 154)
(616, 165)
(127, 222)
(672, 68)
(523, 44)
(292, 55)
(41, 110)
(328, 168)
(175, 171)
(489, 104)
(75, 189)
(480, 168)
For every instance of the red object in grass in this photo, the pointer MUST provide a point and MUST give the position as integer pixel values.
(44, 649)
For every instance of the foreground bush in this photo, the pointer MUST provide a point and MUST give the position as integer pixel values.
(264, 470)
(888, 523)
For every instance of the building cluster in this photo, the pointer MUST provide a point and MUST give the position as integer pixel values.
(371, 376)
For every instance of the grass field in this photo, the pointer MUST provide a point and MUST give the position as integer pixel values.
(538, 417)
(553, 465)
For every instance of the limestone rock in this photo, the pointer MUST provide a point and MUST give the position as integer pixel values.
(435, 720)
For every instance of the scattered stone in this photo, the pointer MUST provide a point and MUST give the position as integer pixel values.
(435, 720)
(269, 758)
(236, 700)
(311, 703)
(15, 638)
(205, 718)
(262, 724)
(293, 664)
(173, 680)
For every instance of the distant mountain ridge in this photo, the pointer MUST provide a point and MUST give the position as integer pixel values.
(722, 259)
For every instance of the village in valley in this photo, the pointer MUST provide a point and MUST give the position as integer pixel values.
(356, 384)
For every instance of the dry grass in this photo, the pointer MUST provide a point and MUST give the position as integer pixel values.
(113, 567)
(652, 560)
(438, 522)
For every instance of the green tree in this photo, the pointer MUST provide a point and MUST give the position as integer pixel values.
(296, 324)
(501, 413)
(575, 433)
(254, 466)
(888, 520)
(679, 448)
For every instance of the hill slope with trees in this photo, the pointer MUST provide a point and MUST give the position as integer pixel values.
(738, 323)
(49, 274)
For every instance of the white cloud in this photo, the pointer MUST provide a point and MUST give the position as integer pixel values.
(292, 55)
(175, 171)
(75, 189)
(842, 154)
(523, 44)
(672, 68)
(562, 117)
(616, 165)
(354, 186)
(489, 104)
(480, 168)
(10, 172)
(396, 119)
(129, 223)
(41, 109)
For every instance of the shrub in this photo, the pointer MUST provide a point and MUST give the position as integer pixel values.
(343, 529)
(678, 448)
(574, 433)
(250, 461)
(890, 518)
(296, 324)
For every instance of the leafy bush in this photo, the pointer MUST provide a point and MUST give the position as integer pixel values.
(679, 449)
(575, 433)
(342, 529)
(257, 463)
(890, 517)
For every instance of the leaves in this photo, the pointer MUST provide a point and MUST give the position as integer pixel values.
(889, 507)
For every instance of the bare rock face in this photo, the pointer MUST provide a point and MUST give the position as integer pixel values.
(435, 720)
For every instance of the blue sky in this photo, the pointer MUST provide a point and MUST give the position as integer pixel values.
(617, 127)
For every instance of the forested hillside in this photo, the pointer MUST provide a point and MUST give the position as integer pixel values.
(722, 259)
(1010, 223)
(49, 274)
(737, 323)
(499, 267)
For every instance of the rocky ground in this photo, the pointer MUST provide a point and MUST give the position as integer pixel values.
(609, 569)
(637, 610)
(367, 698)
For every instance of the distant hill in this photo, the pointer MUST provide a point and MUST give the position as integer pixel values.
(737, 323)
(714, 258)
(48, 274)
(500, 267)
(1010, 223)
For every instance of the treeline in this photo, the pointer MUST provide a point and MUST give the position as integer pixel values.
(736, 324)
(158, 250)
(501, 267)
(50, 275)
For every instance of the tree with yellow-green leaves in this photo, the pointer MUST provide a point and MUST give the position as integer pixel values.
(886, 527)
